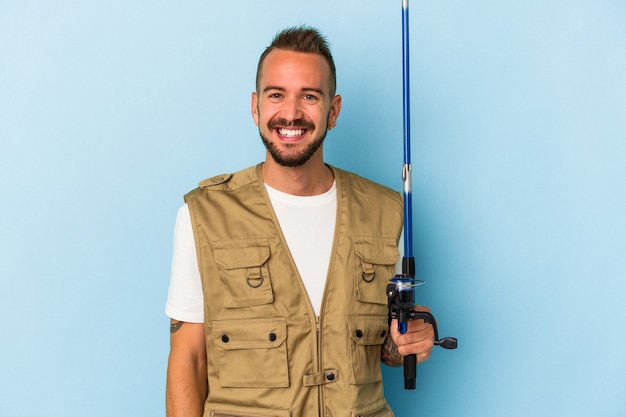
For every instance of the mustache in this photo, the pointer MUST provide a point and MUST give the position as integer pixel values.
(295, 123)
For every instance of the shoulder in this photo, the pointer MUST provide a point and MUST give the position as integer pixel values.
(226, 182)
(362, 185)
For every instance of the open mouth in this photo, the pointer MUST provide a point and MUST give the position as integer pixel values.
(291, 130)
(291, 133)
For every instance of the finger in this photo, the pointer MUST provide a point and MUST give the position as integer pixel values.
(419, 326)
(415, 337)
(420, 349)
(417, 330)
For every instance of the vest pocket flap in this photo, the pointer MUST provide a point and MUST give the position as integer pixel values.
(241, 253)
(375, 250)
(368, 330)
(250, 334)
(375, 259)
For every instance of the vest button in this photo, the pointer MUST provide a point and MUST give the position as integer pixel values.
(272, 337)
(359, 333)
(330, 376)
(225, 338)
(383, 333)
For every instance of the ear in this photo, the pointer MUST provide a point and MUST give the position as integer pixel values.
(254, 107)
(335, 108)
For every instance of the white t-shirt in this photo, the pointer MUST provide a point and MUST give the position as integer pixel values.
(308, 224)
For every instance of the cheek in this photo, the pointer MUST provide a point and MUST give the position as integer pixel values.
(263, 114)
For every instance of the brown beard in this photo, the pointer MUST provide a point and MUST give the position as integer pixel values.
(292, 159)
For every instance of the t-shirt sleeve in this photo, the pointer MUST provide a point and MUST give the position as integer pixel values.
(185, 301)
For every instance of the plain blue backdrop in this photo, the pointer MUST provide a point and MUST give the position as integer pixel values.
(111, 110)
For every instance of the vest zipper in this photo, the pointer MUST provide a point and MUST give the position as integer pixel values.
(325, 295)
(320, 388)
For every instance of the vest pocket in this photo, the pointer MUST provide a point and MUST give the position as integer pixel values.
(367, 334)
(243, 271)
(251, 353)
(375, 266)
(379, 409)
(218, 410)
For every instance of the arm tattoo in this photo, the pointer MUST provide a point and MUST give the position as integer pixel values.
(389, 353)
(175, 326)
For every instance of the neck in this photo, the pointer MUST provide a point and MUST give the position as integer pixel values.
(312, 178)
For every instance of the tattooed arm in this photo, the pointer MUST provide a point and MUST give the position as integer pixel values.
(389, 353)
(187, 385)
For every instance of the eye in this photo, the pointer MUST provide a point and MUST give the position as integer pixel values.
(311, 98)
(274, 97)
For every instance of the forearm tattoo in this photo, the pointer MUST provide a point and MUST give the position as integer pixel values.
(175, 326)
(389, 353)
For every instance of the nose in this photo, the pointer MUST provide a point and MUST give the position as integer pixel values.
(292, 109)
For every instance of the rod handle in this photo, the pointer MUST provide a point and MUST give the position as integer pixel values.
(410, 371)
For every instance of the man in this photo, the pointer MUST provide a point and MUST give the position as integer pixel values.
(277, 300)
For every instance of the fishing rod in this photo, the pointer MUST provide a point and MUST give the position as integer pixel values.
(401, 290)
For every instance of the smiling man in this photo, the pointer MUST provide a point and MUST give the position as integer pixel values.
(277, 298)
(294, 104)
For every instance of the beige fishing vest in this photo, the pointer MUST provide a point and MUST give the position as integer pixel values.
(267, 353)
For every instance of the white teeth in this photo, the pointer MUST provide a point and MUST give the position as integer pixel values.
(292, 133)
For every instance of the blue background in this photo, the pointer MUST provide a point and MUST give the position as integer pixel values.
(111, 110)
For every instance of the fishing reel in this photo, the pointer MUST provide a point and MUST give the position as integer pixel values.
(401, 297)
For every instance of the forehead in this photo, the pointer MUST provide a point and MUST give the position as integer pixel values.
(284, 68)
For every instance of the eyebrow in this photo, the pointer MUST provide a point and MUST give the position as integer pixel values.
(303, 90)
